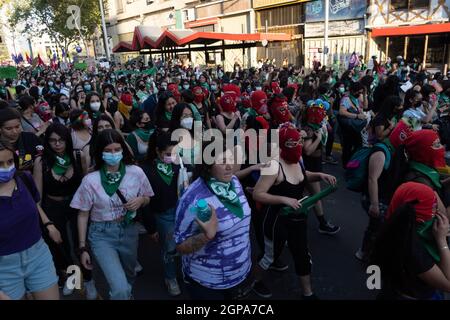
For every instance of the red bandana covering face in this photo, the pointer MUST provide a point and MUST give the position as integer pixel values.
(233, 90)
(198, 94)
(259, 101)
(414, 192)
(275, 88)
(290, 146)
(315, 115)
(400, 133)
(420, 146)
(228, 103)
(127, 99)
(280, 110)
(246, 102)
(174, 89)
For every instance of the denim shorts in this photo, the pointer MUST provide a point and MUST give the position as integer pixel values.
(31, 270)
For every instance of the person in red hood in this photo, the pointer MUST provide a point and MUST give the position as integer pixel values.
(412, 250)
(229, 117)
(282, 185)
(279, 110)
(174, 89)
(232, 89)
(259, 102)
(275, 87)
(199, 98)
(425, 155)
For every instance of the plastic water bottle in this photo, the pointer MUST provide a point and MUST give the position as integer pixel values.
(203, 210)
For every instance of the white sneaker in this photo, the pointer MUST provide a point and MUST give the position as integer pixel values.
(91, 291)
(66, 291)
(172, 287)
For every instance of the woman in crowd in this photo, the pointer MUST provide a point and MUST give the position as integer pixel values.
(108, 198)
(138, 139)
(159, 218)
(282, 185)
(81, 125)
(386, 119)
(216, 254)
(21, 236)
(125, 106)
(94, 106)
(78, 97)
(163, 113)
(229, 118)
(111, 102)
(412, 249)
(31, 122)
(62, 114)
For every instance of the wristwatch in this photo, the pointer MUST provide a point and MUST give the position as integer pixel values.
(50, 223)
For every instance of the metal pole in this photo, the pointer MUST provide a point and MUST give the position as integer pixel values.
(405, 51)
(267, 46)
(387, 48)
(31, 49)
(325, 33)
(105, 35)
(425, 49)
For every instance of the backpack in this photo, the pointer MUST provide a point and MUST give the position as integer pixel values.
(356, 170)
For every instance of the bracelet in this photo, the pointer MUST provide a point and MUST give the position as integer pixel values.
(81, 250)
(50, 223)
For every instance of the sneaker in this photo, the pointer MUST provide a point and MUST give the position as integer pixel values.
(278, 266)
(172, 287)
(66, 291)
(328, 228)
(261, 290)
(91, 291)
(360, 255)
(331, 160)
(310, 298)
(138, 269)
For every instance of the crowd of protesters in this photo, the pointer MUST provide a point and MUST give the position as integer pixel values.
(90, 159)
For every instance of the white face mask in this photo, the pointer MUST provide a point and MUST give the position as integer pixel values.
(187, 123)
(186, 86)
(68, 84)
(109, 95)
(95, 106)
(258, 88)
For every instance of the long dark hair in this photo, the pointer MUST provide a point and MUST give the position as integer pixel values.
(394, 244)
(177, 112)
(87, 105)
(5, 145)
(105, 138)
(159, 141)
(63, 132)
(161, 107)
(387, 110)
(102, 117)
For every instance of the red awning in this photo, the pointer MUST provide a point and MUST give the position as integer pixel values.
(157, 38)
(411, 30)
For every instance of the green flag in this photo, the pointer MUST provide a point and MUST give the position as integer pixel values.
(8, 73)
(80, 66)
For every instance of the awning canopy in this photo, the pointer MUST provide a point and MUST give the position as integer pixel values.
(411, 30)
(158, 38)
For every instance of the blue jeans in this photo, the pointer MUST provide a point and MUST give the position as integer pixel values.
(114, 247)
(165, 224)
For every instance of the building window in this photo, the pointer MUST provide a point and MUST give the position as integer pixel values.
(149, 2)
(119, 5)
(416, 4)
(1, 40)
(399, 4)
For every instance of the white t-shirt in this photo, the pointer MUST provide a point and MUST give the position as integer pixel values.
(91, 196)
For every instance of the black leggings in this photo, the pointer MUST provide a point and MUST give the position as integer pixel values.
(351, 141)
(279, 229)
(60, 213)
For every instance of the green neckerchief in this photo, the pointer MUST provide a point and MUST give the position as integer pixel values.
(165, 171)
(354, 100)
(111, 180)
(61, 165)
(196, 113)
(425, 232)
(227, 195)
(428, 171)
(143, 134)
(251, 112)
(168, 115)
(96, 115)
(316, 127)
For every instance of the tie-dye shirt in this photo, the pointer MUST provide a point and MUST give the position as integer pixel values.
(225, 261)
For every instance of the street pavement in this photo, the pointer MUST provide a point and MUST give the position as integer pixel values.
(336, 274)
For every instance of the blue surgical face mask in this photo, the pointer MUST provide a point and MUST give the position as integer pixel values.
(213, 87)
(87, 87)
(112, 159)
(6, 174)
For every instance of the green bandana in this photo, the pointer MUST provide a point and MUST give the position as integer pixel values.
(168, 115)
(61, 165)
(251, 112)
(96, 115)
(428, 171)
(355, 101)
(143, 134)
(425, 232)
(111, 180)
(227, 195)
(165, 171)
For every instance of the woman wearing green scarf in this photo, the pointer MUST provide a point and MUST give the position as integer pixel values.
(108, 198)
(216, 254)
(411, 250)
(159, 218)
(61, 177)
(163, 112)
(138, 139)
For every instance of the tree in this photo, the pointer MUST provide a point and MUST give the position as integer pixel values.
(52, 17)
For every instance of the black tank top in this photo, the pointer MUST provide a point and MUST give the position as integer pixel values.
(287, 189)
(227, 121)
(56, 188)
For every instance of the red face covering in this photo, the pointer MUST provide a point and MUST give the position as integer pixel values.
(280, 111)
(414, 192)
(228, 103)
(275, 88)
(233, 90)
(127, 99)
(400, 133)
(291, 149)
(315, 115)
(245, 99)
(198, 94)
(259, 101)
(419, 146)
(174, 89)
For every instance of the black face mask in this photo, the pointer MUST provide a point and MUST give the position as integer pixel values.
(417, 104)
(147, 125)
(142, 87)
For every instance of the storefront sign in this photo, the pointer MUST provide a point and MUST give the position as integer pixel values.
(336, 28)
(339, 10)
(268, 3)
